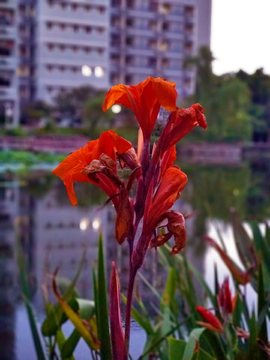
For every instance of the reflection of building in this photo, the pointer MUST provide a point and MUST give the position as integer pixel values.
(61, 233)
(9, 209)
(9, 100)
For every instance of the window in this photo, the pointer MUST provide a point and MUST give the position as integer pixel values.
(88, 29)
(74, 69)
(75, 28)
(153, 44)
(165, 26)
(62, 68)
(129, 60)
(152, 62)
(115, 40)
(62, 26)
(87, 7)
(87, 50)
(49, 67)
(153, 25)
(165, 8)
(74, 7)
(74, 48)
(100, 51)
(129, 40)
(130, 4)
(153, 6)
(129, 22)
(116, 3)
(164, 45)
(128, 79)
(49, 25)
(100, 30)
(50, 47)
(62, 47)
(101, 9)
(165, 63)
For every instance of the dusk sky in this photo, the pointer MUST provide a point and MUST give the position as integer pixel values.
(240, 35)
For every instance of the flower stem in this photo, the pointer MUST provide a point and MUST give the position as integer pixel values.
(132, 275)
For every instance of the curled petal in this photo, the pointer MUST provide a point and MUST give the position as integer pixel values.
(124, 218)
(180, 123)
(173, 181)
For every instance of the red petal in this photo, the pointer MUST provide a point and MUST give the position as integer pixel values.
(210, 318)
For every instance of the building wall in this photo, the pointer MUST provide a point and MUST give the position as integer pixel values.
(9, 106)
(153, 38)
(70, 35)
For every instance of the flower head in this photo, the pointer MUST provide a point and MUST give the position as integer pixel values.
(144, 99)
(211, 321)
(226, 302)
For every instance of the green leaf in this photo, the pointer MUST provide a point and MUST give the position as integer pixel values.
(88, 332)
(103, 316)
(214, 344)
(55, 318)
(61, 340)
(69, 345)
(262, 251)
(242, 241)
(64, 284)
(141, 320)
(191, 344)
(176, 348)
(262, 330)
(26, 297)
(170, 288)
(203, 355)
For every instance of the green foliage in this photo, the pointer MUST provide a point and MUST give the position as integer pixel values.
(226, 100)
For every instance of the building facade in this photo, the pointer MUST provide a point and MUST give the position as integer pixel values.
(9, 97)
(49, 46)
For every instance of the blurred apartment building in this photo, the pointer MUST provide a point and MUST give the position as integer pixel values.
(47, 46)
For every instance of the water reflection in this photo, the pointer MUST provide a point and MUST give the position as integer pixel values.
(53, 234)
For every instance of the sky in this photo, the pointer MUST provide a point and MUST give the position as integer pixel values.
(240, 37)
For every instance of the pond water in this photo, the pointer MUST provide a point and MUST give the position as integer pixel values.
(54, 234)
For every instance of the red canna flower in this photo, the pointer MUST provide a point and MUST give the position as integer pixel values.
(72, 168)
(212, 322)
(145, 100)
(225, 300)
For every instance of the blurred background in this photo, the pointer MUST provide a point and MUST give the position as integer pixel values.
(57, 60)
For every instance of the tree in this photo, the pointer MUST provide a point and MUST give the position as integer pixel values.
(226, 100)
(34, 111)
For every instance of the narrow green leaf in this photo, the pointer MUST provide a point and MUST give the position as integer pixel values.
(55, 318)
(61, 340)
(26, 297)
(203, 355)
(103, 315)
(170, 288)
(176, 348)
(69, 345)
(262, 331)
(214, 341)
(140, 319)
(191, 344)
(242, 241)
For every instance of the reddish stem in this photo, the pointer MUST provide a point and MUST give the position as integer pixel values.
(132, 275)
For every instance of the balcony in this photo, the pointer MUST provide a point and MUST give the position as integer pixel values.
(8, 93)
